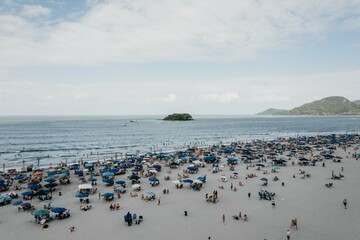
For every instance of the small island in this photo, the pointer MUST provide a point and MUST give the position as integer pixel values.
(178, 117)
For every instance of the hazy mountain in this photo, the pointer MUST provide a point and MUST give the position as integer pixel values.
(327, 106)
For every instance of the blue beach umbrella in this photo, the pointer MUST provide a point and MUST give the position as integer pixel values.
(120, 182)
(92, 179)
(40, 212)
(34, 186)
(153, 180)
(107, 195)
(187, 180)
(58, 210)
(17, 203)
(107, 180)
(63, 175)
(108, 174)
(82, 195)
(50, 180)
(27, 193)
(5, 197)
(50, 185)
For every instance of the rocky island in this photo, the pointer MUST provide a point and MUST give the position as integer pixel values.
(178, 117)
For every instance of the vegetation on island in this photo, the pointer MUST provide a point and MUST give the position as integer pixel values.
(327, 106)
(178, 117)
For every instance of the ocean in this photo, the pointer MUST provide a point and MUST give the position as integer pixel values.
(45, 140)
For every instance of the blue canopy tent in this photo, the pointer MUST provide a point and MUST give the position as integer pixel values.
(187, 180)
(153, 180)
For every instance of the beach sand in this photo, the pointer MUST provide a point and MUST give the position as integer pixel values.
(319, 210)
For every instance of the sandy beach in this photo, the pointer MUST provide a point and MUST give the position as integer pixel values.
(318, 209)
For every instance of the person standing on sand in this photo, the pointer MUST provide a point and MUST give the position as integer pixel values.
(345, 203)
(249, 194)
(288, 234)
(99, 195)
(159, 201)
(223, 218)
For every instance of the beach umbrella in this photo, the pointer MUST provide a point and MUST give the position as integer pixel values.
(153, 180)
(277, 168)
(50, 180)
(27, 193)
(107, 180)
(50, 185)
(152, 171)
(176, 182)
(25, 204)
(107, 195)
(5, 198)
(18, 202)
(269, 163)
(136, 186)
(41, 193)
(82, 179)
(82, 195)
(121, 182)
(133, 177)
(264, 179)
(119, 189)
(63, 175)
(40, 212)
(187, 180)
(149, 194)
(58, 210)
(260, 165)
(92, 179)
(108, 174)
(34, 186)
(19, 177)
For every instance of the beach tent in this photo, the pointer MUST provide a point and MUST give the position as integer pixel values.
(187, 180)
(85, 186)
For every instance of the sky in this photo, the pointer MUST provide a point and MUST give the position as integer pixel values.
(141, 57)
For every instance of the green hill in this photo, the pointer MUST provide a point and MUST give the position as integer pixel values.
(357, 102)
(327, 106)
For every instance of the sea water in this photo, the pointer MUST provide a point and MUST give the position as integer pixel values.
(45, 140)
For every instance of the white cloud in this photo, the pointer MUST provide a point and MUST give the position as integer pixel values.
(239, 95)
(35, 11)
(222, 98)
(137, 31)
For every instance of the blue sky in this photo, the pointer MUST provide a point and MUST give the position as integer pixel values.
(157, 57)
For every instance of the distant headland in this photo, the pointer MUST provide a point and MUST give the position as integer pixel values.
(334, 105)
(178, 117)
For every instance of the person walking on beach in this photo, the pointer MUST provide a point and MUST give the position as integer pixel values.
(99, 195)
(231, 186)
(273, 204)
(288, 234)
(223, 218)
(159, 201)
(345, 203)
(249, 194)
